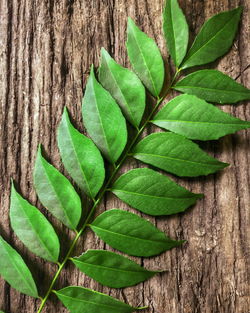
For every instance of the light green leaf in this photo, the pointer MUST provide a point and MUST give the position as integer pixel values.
(131, 234)
(32, 228)
(214, 86)
(111, 269)
(145, 58)
(214, 39)
(103, 119)
(153, 193)
(80, 157)
(79, 300)
(176, 154)
(56, 193)
(124, 86)
(15, 271)
(175, 30)
(196, 119)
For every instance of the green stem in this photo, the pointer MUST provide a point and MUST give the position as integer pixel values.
(103, 191)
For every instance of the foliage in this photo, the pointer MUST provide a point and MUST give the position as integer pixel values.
(120, 94)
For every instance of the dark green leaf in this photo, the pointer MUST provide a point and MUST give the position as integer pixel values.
(153, 193)
(175, 30)
(145, 58)
(15, 271)
(111, 269)
(176, 154)
(196, 119)
(56, 193)
(80, 157)
(81, 300)
(124, 86)
(32, 228)
(214, 86)
(131, 234)
(214, 39)
(104, 120)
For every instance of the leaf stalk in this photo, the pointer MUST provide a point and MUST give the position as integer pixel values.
(101, 194)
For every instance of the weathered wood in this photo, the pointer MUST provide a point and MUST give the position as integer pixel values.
(46, 49)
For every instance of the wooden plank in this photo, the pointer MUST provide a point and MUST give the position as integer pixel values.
(46, 49)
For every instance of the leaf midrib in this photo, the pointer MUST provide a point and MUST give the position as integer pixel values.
(58, 198)
(34, 230)
(212, 89)
(20, 272)
(85, 301)
(151, 196)
(149, 72)
(171, 158)
(122, 235)
(100, 119)
(113, 268)
(197, 122)
(124, 99)
(76, 154)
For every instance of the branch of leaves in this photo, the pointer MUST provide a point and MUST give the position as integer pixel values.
(120, 92)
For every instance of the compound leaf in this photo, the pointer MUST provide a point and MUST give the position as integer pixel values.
(56, 193)
(80, 157)
(131, 234)
(196, 119)
(15, 271)
(32, 228)
(124, 86)
(214, 39)
(104, 266)
(153, 193)
(145, 58)
(176, 154)
(79, 300)
(103, 120)
(214, 86)
(176, 31)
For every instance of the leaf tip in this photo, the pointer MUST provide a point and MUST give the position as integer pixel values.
(199, 195)
(142, 308)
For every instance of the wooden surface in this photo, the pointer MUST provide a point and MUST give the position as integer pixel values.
(46, 49)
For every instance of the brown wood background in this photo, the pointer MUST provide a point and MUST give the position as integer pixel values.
(46, 49)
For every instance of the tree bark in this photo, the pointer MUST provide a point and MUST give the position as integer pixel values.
(46, 49)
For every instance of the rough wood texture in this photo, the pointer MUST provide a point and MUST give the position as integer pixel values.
(46, 49)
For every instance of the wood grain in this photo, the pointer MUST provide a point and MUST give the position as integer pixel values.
(46, 49)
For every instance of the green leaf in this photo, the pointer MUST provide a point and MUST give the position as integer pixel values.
(131, 234)
(104, 120)
(175, 30)
(80, 157)
(153, 193)
(56, 193)
(32, 228)
(214, 39)
(79, 300)
(145, 58)
(214, 86)
(111, 269)
(196, 119)
(124, 86)
(176, 154)
(15, 271)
